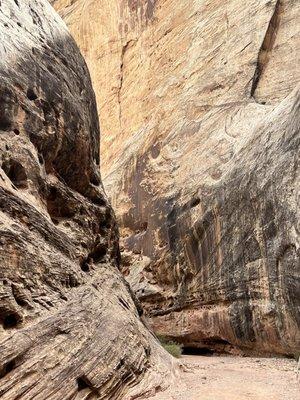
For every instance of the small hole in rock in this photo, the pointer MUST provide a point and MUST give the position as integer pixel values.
(95, 180)
(81, 383)
(85, 265)
(16, 173)
(99, 202)
(10, 321)
(31, 94)
(65, 62)
(7, 368)
(20, 302)
(73, 282)
(195, 202)
(16, 131)
(50, 69)
(99, 253)
(5, 123)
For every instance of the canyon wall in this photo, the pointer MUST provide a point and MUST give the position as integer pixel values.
(69, 327)
(199, 109)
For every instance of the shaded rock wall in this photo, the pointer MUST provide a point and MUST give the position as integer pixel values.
(69, 328)
(206, 189)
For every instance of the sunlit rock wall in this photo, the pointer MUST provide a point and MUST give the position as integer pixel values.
(199, 157)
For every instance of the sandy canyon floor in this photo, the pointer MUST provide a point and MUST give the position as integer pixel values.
(235, 378)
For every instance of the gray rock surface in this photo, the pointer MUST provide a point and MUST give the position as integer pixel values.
(69, 328)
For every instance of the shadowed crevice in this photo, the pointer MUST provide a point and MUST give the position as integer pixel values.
(266, 47)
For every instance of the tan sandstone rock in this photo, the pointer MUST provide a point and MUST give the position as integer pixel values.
(200, 147)
(69, 328)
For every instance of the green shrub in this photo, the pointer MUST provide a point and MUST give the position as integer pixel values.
(171, 347)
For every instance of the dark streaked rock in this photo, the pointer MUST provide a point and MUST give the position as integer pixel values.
(69, 327)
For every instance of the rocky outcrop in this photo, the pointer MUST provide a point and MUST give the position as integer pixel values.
(69, 328)
(201, 137)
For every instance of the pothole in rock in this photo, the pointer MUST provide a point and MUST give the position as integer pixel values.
(9, 319)
(16, 173)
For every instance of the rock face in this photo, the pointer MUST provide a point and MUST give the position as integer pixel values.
(69, 328)
(200, 158)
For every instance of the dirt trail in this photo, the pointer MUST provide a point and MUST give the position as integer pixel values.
(235, 378)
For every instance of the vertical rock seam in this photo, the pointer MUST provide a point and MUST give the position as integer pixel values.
(124, 49)
(267, 46)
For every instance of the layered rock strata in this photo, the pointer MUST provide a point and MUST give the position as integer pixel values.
(200, 158)
(69, 328)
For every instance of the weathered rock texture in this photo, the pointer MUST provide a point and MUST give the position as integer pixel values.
(69, 328)
(201, 139)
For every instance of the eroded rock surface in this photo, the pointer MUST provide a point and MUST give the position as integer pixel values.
(200, 123)
(69, 328)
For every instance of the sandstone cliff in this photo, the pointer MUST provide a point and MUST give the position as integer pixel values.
(200, 158)
(69, 328)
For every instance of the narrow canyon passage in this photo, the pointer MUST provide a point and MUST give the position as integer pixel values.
(172, 229)
(235, 378)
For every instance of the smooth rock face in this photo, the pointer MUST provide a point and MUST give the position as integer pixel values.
(200, 125)
(69, 328)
